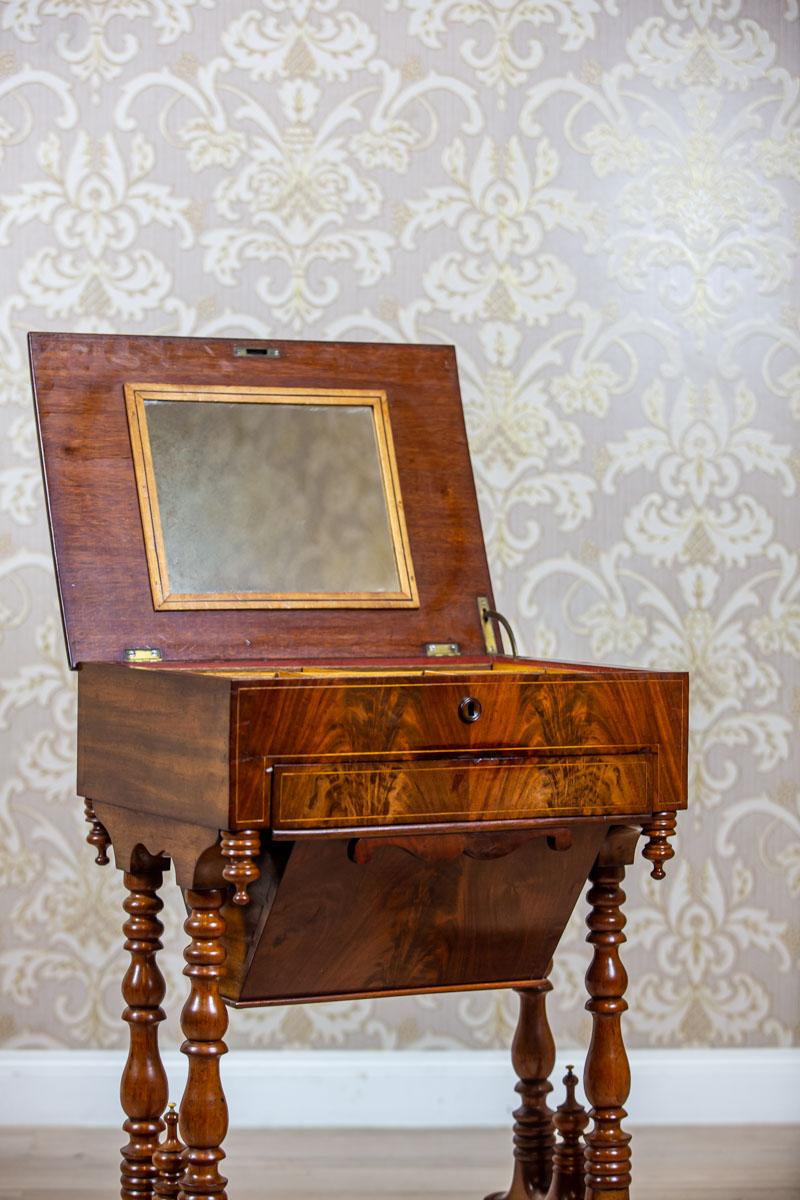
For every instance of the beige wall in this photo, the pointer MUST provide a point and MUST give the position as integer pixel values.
(596, 200)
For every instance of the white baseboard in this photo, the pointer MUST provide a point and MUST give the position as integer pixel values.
(403, 1088)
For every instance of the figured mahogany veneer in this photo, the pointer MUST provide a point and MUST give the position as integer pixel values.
(217, 744)
(445, 790)
(314, 759)
(320, 926)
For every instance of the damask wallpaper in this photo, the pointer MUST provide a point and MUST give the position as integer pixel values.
(597, 202)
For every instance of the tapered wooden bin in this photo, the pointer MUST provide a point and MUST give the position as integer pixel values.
(361, 794)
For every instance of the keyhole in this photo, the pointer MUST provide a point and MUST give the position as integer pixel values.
(470, 709)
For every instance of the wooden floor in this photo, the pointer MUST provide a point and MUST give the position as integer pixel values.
(752, 1163)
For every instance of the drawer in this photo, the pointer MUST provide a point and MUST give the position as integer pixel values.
(294, 719)
(345, 795)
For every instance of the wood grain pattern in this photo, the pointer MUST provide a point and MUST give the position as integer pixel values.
(300, 719)
(320, 926)
(206, 741)
(97, 530)
(155, 742)
(345, 794)
(304, 717)
(441, 847)
(193, 849)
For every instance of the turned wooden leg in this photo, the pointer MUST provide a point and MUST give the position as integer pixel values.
(204, 1020)
(607, 1076)
(533, 1054)
(143, 1090)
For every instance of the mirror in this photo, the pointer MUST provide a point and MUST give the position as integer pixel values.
(269, 498)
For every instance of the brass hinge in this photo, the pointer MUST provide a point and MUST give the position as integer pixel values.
(442, 649)
(142, 654)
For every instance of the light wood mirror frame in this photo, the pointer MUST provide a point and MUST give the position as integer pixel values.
(136, 396)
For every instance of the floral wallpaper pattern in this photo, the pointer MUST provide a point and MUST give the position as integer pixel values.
(597, 202)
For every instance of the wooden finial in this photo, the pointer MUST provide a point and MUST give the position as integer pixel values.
(167, 1159)
(658, 849)
(97, 836)
(240, 848)
(570, 1121)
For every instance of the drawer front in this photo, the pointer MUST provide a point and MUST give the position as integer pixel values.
(357, 794)
(316, 720)
(334, 722)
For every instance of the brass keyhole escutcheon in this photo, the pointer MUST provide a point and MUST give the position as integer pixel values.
(470, 709)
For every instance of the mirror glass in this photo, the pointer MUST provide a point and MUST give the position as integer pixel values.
(270, 500)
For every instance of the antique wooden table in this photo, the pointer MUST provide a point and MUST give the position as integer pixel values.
(359, 793)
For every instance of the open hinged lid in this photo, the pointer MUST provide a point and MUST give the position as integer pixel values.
(215, 499)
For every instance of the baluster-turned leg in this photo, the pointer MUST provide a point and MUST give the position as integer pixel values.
(607, 1076)
(568, 1159)
(533, 1054)
(203, 1111)
(143, 1090)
